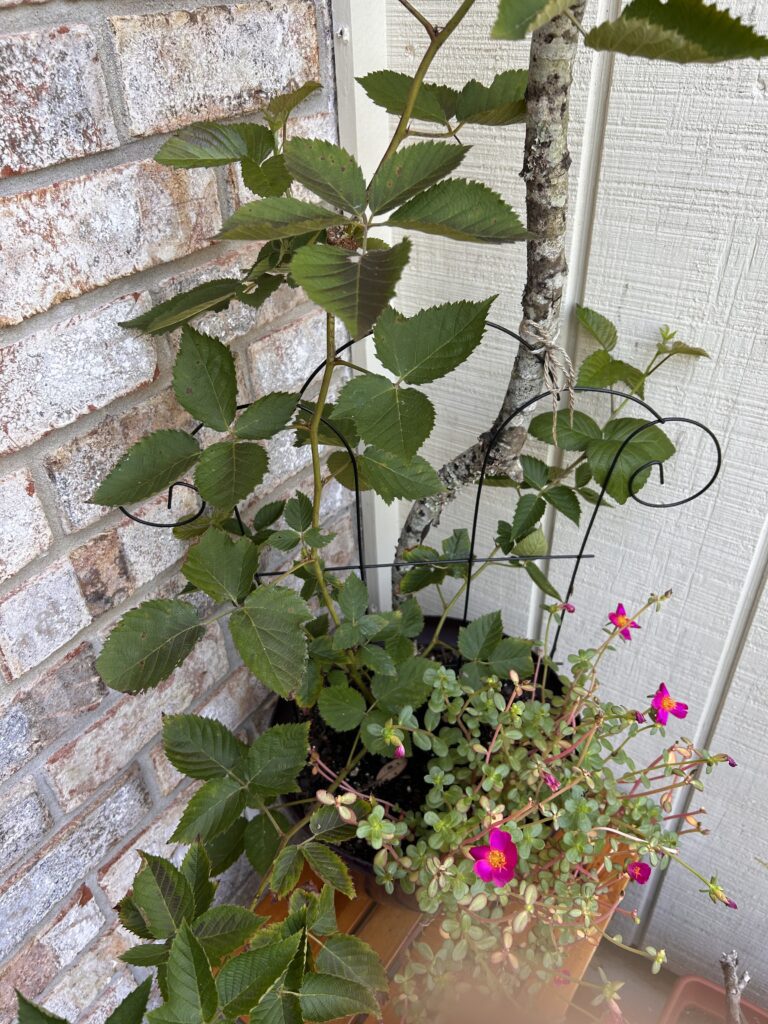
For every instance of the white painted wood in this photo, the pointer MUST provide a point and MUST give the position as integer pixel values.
(678, 190)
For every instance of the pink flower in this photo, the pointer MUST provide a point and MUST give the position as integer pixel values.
(400, 750)
(551, 781)
(729, 903)
(663, 706)
(639, 717)
(731, 761)
(496, 862)
(563, 977)
(638, 871)
(568, 607)
(622, 622)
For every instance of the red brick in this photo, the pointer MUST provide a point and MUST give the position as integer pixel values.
(53, 97)
(70, 237)
(55, 376)
(213, 62)
(24, 530)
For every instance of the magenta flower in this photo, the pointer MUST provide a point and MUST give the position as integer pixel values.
(639, 717)
(400, 750)
(551, 781)
(731, 762)
(638, 871)
(663, 706)
(622, 622)
(496, 862)
(729, 903)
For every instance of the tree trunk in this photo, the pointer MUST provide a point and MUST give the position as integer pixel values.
(545, 171)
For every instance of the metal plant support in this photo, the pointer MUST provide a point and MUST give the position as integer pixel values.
(471, 560)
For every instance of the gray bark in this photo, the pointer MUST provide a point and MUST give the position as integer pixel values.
(545, 172)
(734, 986)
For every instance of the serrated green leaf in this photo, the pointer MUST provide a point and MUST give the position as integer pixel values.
(541, 581)
(212, 145)
(519, 17)
(243, 981)
(535, 471)
(393, 418)
(429, 345)
(330, 868)
(564, 499)
(276, 758)
(224, 929)
(212, 810)
(327, 826)
(353, 598)
(209, 297)
(533, 544)
(327, 997)
(151, 465)
(683, 31)
(650, 445)
(270, 178)
(480, 637)
(262, 840)
(131, 1009)
(277, 1007)
(465, 210)
(229, 471)
(390, 89)
(147, 644)
(196, 868)
(225, 848)
(286, 871)
(329, 171)
(681, 348)
(146, 956)
(353, 286)
(573, 434)
(512, 653)
(347, 956)
(201, 748)
(267, 633)
(284, 540)
(204, 379)
(279, 107)
(31, 1013)
(500, 103)
(298, 512)
(267, 515)
(191, 989)
(132, 918)
(389, 475)
(600, 327)
(266, 416)
(279, 217)
(222, 566)
(406, 688)
(528, 511)
(341, 707)
(410, 171)
(163, 896)
(600, 370)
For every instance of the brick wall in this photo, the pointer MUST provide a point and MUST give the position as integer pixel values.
(91, 233)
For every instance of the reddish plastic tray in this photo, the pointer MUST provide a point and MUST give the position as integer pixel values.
(698, 1001)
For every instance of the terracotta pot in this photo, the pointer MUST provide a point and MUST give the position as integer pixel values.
(698, 1001)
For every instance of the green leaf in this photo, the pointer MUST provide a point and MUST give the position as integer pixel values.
(212, 810)
(480, 637)
(353, 598)
(229, 470)
(572, 435)
(388, 474)
(204, 379)
(465, 210)
(146, 956)
(224, 929)
(31, 1013)
(192, 993)
(519, 17)
(396, 419)
(326, 997)
(390, 89)
(225, 848)
(262, 841)
(599, 326)
(683, 31)
(528, 511)
(157, 461)
(298, 512)
(512, 653)
(327, 826)
(209, 297)
(132, 918)
(267, 633)
(329, 867)
(266, 416)
(564, 500)
(276, 758)
(681, 348)
(277, 1007)
(321, 913)
(131, 1009)
(280, 107)
(354, 287)
(267, 515)
(196, 868)
(535, 471)
(502, 102)
(429, 345)
(201, 748)
(346, 956)
(327, 170)
(245, 979)
(341, 707)
(600, 370)
(410, 171)
(211, 145)
(650, 445)
(270, 178)
(286, 871)
(147, 644)
(279, 217)
(163, 895)
(406, 688)
(541, 581)
(222, 566)
(532, 544)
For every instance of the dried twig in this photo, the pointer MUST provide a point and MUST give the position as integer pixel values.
(734, 986)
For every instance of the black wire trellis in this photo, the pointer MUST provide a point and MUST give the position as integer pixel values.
(471, 560)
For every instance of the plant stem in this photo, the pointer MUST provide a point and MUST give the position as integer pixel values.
(428, 26)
